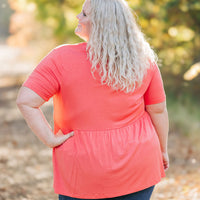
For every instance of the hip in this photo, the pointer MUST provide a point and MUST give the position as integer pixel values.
(139, 195)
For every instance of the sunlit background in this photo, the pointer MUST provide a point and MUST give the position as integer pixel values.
(29, 29)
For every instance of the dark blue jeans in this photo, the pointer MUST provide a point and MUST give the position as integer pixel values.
(140, 195)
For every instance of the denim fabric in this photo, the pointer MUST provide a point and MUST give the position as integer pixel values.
(140, 195)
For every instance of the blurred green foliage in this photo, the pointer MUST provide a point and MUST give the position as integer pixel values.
(60, 16)
(5, 13)
(172, 27)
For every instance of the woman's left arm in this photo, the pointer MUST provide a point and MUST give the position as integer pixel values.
(29, 104)
(159, 116)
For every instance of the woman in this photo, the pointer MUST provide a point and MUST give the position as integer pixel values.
(110, 117)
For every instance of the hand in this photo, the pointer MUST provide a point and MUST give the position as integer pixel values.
(165, 160)
(59, 138)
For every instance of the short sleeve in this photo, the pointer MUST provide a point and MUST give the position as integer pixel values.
(44, 80)
(155, 92)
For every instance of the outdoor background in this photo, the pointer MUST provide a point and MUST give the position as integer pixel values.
(29, 29)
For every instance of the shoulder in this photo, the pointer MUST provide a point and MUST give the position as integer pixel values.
(153, 68)
(70, 48)
(66, 54)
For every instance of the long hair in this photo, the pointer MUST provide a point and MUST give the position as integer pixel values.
(117, 45)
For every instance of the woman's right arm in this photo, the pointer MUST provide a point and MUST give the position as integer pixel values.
(159, 116)
(29, 104)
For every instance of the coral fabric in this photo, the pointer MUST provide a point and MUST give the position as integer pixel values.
(115, 149)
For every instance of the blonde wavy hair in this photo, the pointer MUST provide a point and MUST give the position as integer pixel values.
(117, 45)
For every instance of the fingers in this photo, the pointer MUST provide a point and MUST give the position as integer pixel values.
(165, 162)
(61, 138)
(60, 133)
(69, 134)
(166, 166)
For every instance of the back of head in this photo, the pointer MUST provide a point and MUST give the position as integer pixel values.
(117, 44)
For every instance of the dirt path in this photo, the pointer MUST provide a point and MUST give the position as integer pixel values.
(26, 168)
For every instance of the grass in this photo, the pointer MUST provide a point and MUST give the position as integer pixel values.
(184, 115)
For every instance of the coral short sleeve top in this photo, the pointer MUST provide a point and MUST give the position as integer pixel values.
(115, 149)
